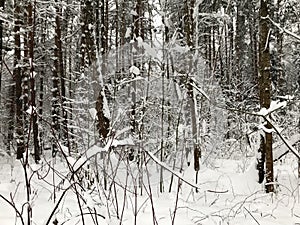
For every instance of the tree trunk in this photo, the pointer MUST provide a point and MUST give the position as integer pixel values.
(61, 75)
(2, 3)
(42, 73)
(264, 77)
(55, 81)
(11, 117)
(189, 31)
(278, 75)
(31, 23)
(103, 120)
(18, 81)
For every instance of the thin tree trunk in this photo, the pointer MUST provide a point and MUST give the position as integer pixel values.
(189, 31)
(103, 121)
(264, 77)
(26, 70)
(55, 81)
(31, 16)
(61, 74)
(18, 81)
(2, 3)
(11, 117)
(41, 86)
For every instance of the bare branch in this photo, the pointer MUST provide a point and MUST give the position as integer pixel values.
(285, 141)
(12, 205)
(283, 29)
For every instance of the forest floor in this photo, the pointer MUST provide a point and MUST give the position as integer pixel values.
(226, 195)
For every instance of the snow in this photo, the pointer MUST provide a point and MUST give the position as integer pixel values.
(140, 41)
(30, 110)
(263, 127)
(93, 113)
(275, 105)
(150, 51)
(263, 112)
(224, 195)
(106, 110)
(280, 148)
(134, 13)
(134, 70)
(286, 97)
(33, 75)
(128, 32)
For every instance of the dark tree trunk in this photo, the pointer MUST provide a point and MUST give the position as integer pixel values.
(11, 117)
(2, 3)
(261, 161)
(18, 81)
(55, 81)
(103, 120)
(189, 32)
(61, 75)
(31, 23)
(42, 73)
(264, 77)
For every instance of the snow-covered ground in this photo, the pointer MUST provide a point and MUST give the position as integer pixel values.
(225, 195)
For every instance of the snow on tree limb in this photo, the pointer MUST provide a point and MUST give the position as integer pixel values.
(285, 141)
(283, 149)
(200, 90)
(282, 29)
(179, 175)
(274, 106)
(175, 173)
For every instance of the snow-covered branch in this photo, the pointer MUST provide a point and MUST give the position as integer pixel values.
(285, 141)
(283, 29)
(175, 173)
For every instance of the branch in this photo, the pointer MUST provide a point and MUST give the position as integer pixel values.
(263, 114)
(251, 215)
(155, 159)
(57, 204)
(290, 147)
(283, 29)
(12, 205)
(217, 192)
(277, 158)
(175, 173)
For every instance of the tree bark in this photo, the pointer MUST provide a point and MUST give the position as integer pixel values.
(31, 23)
(264, 77)
(103, 120)
(55, 80)
(61, 75)
(2, 3)
(189, 32)
(18, 82)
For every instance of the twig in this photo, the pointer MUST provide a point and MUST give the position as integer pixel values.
(290, 147)
(155, 159)
(283, 29)
(175, 173)
(251, 215)
(217, 192)
(12, 205)
(57, 204)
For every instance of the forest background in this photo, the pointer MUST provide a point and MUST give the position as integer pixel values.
(179, 83)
